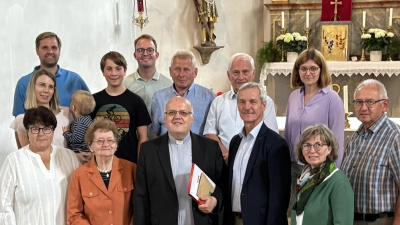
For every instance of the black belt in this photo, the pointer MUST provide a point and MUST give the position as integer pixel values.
(238, 215)
(372, 217)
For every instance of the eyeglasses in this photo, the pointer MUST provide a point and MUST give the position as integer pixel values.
(36, 130)
(317, 147)
(148, 50)
(101, 142)
(303, 70)
(183, 113)
(368, 103)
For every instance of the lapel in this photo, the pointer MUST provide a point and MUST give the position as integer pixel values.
(116, 171)
(94, 175)
(254, 152)
(197, 153)
(165, 161)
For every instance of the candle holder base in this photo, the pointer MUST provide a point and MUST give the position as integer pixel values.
(346, 120)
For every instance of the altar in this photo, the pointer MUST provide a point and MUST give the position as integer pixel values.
(389, 68)
(276, 78)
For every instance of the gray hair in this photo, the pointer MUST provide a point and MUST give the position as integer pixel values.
(184, 54)
(372, 82)
(250, 85)
(243, 56)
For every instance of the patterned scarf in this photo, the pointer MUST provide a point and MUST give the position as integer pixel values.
(307, 181)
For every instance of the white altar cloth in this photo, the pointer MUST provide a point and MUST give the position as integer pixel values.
(338, 68)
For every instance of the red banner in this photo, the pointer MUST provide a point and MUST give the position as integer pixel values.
(343, 9)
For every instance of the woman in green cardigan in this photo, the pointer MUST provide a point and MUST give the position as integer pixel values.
(323, 193)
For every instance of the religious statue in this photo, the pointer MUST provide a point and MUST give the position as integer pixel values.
(207, 16)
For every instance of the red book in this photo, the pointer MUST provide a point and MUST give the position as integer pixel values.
(199, 184)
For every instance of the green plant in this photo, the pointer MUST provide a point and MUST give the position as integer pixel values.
(267, 53)
(395, 49)
(376, 40)
(292, 42)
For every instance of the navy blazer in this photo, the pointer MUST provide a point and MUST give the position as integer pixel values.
(266, 186)
(156, 201)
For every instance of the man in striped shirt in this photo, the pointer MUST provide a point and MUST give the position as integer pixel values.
(372, 158)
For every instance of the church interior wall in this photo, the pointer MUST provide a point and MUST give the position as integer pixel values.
(88, 30)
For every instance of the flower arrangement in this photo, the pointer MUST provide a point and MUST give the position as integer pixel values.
(376, 39)
(292, 42)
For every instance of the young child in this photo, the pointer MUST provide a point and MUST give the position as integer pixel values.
(120, 105)
(82, 105)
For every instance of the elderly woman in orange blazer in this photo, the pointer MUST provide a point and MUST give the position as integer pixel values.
(101, 191)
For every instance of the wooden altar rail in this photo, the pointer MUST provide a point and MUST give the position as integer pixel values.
(356, 5)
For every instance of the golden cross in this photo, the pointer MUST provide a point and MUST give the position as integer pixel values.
(335, 3)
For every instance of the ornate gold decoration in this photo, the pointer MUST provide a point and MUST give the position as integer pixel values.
(363, 29)
(389, 29)
(283, 31)
(140, 21)
(346, 120)
(307, 31)
(334, 42)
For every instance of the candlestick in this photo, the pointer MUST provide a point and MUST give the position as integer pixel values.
(390, 16)
(363, 29)
(283, 31)
(307, 18)
(364, 17)
(345, 98)
(346, 120)
(283, 19)
(389, 58)
(307, 32)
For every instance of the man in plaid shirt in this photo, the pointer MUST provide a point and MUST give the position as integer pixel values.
(372, 158)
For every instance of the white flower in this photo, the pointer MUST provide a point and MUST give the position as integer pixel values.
(299, 38)
(365, 36)
(280, 37)
(288, 39)
(379, 34)
(390, 34)
(371, 31)
(295, 34)
(304, 38)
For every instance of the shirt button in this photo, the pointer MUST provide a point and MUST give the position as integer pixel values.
(125, 189)
(90, 193)
(109, 212)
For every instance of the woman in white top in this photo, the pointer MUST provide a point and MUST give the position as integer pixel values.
(34, 180)
(42, 91)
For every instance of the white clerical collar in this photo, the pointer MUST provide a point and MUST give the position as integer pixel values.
(172, 140)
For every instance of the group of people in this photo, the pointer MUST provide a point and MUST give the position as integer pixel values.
(124, 155)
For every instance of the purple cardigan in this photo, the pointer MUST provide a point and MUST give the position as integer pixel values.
(325, 107)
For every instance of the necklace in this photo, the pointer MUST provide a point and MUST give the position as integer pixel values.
(107, 172)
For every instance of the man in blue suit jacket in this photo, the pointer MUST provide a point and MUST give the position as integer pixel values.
(259, 167)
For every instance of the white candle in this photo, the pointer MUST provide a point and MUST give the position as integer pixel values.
(364, 17)
(390, 16)
(307, 18)
(283, 19)
(345, 99)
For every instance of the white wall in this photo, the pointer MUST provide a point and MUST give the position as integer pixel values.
(87, 32)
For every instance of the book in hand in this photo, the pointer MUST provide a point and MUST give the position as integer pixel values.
(200, 184)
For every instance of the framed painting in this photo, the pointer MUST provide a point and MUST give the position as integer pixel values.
(334, 42)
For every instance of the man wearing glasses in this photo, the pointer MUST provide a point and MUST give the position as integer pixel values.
(372, 160)
(146, 79)
(183, 70)
(164, 167)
